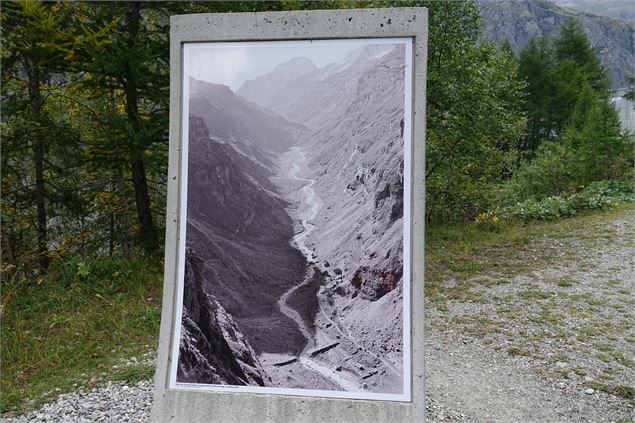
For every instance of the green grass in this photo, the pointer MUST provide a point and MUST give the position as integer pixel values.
(135, 373)
(564, 282)
(623, 391)
(67, 329)
(534, 294)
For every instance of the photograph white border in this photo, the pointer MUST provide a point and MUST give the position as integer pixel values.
(406, 396)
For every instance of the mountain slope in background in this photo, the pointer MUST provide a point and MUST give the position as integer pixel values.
(520, 20)
(238, 226)
(262, 90)
(306, 97)
(254, 132)
(623, 10)
(358, 164)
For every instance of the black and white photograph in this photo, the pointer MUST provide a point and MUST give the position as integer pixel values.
(294, 273)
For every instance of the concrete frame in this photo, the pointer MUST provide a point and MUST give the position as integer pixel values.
(173, 405)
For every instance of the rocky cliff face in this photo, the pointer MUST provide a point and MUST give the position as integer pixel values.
(520, 20)
(359, 228)
(254, 132)
(623, 10)
(212, 349)
(357, 159)
(238, 226)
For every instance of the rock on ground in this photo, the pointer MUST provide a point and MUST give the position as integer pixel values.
(115, 402)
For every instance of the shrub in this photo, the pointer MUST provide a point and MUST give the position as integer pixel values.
(597, 195)
(548, 174)
(600, 194)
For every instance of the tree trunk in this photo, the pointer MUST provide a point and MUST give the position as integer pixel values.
(118, 185)
(137, 166)
(8, 247)
(38, 159)
(124, 219)
(142, 199)
(111, 234)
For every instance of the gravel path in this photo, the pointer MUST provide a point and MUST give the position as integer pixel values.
(551, 343)
(115, 402)
(473, 383)
(526, 348)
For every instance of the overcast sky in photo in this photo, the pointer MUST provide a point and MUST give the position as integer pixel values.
(233, 63)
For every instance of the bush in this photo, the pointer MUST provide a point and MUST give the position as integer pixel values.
(601, 194)
(597, 195)
(548, 174)
(547, 209)
(489, 221)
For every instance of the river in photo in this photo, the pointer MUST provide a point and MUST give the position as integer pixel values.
(332, 359)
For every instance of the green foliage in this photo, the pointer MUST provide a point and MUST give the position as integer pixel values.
(574, 52)
(535, 65)
(467, 155)
(548, 174)
(576, 63)
(555, 71)
(75, 323)
(573, 136)
(85, 100)
(82, 270)
(546, 209)
(31, 132)
(598, 195)
(601, 194)
(601, 150)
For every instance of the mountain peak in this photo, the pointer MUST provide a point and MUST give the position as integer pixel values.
(200, 87)
(264, 89)
(297, 64)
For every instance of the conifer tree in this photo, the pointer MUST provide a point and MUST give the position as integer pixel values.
(29, 31)
(536, 66)
(600, 149)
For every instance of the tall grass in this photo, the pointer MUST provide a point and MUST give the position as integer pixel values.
(67, 329)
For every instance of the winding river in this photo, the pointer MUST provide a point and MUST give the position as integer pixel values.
(312, 201)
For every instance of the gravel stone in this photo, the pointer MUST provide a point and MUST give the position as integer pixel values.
(110, 403)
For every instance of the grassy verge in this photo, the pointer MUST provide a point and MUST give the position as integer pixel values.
(78, 325)
(463, 251)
